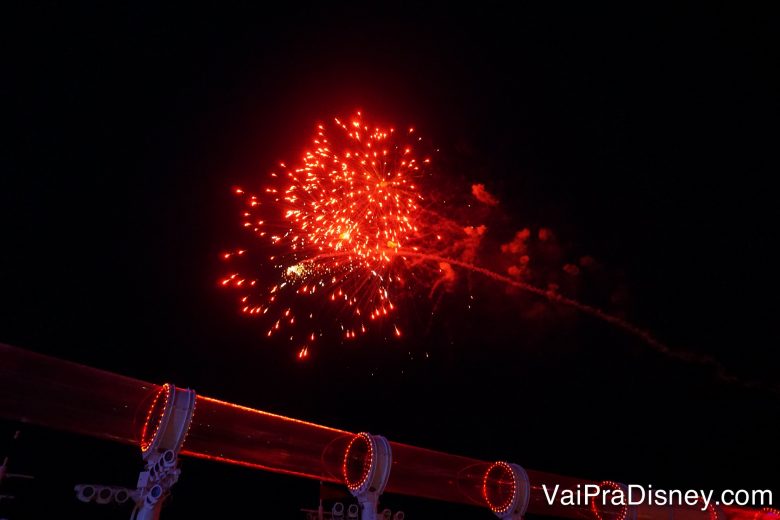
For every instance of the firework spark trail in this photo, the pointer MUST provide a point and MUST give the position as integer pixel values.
(720, 371)
(717, 368)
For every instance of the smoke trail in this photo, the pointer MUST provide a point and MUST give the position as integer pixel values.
(715, 366)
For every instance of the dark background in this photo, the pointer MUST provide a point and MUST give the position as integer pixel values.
(644, 137)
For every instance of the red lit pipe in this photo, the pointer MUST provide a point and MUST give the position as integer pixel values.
(67, 396)
(42, 390)
(236, 434)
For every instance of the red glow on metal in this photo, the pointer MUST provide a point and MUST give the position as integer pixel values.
(65, 396)
(204, 399)
(358, 460)
(622, 514)
(243, 463)
(499, 487)
(713, 512)
(154, 416)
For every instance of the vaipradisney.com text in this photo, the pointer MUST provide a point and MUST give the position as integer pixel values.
(636, 494)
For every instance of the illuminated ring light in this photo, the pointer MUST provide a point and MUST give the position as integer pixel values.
(626, 512)
(154, 417)
(366, 465)
(168, 420)
(767, 513)
(506, 489)
(715, 512)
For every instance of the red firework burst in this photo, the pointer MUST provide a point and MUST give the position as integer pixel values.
(341, 224)
(351, 234)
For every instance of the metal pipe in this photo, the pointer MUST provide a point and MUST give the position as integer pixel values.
(67, 396)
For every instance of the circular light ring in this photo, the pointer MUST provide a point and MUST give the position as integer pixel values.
(361, 451)
(159, 408)
(168, 420)
(714, 513)
(367, 462)
(624, 510)
(767, 513)
(506, 488)
(500, 497)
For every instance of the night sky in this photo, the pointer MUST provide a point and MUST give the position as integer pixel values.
(643, 138)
